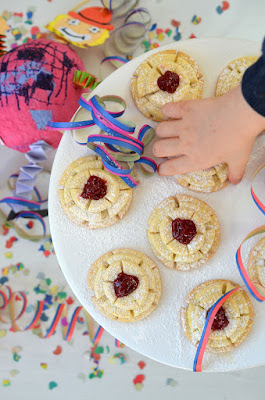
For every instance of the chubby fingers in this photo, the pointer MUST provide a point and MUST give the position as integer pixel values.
(175, 166)
(174, 110)
(167, 148)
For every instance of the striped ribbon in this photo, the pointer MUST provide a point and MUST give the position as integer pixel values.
(252, 288)
(9, 301)
(116, 140)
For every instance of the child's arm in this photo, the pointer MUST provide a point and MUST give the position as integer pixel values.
(210, 131)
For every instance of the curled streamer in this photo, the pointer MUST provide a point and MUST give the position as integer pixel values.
(252, 287)
(124, 40)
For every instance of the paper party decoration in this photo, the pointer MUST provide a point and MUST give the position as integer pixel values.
(36, 86)
(88, 27)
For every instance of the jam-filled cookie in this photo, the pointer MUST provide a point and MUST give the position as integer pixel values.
(207, 180)
(183, 232)
(256, 264)
(92, 196)
(164, 77)
(126, 285)
(232, 74)
(232, 322)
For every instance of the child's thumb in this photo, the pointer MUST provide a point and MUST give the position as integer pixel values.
(236, 171)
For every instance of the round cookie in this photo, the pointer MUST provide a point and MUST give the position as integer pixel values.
(207, 180)
(92, 196)
(232, 322)
(164, 77)
(183, 232)
(256, 263)
(126, 285)
(232, 74)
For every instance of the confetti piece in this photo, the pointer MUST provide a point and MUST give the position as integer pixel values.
(9, 242)
(81, 376)
(219, 10)
(196, 20)
(52, 385)
(2, 333)
(44, 317)
(141, 364)
(99, 350)
(26, 272)
(171, 382)
(54, 290)
(177, 37)
(138, 386)
(69, 301)
(159, 30)
(175, 23)
(117, 358)
(29, 309)
(192, 36)
(46, 253)
(16, 357)
(58, 350)
(40, 275)
(160, 36)
(3, 280)
(64, 322)
(29, 225)
(44, 365)
(14, 372)
(138, 379)
(8, 254)
(6, 382)
(97, 373)
(225, 5)
(153, 27)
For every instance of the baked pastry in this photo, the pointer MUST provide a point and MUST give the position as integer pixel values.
(206, 180)
(232, 74)
(92, 196)
(183, 232)
(126, 285)
(232, 322)
(164, 77)
(256, 263)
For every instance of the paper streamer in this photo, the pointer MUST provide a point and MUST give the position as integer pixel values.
(115, 141)
(8, 301)
(125, 39)
(26, 179)
(252, 287)
(256, 200)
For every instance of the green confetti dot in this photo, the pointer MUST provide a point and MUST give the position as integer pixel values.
(99, 350)
(6, 382)
(52, 385)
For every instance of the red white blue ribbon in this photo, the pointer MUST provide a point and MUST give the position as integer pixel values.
(252, 288)
(117, 140)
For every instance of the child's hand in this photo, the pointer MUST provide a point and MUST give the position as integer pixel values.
(207, 132)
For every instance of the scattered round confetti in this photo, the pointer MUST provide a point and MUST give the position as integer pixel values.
(141, 364)
(44, 365)
(52, 385)
(6, 382)
(57, 351)
(14, 372)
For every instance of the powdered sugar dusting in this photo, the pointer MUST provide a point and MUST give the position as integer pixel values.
(160, 335)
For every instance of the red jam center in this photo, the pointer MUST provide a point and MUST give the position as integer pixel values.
(168, 82)
(183, 230)
(220, 321)
(94, 189)
(125, 284)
